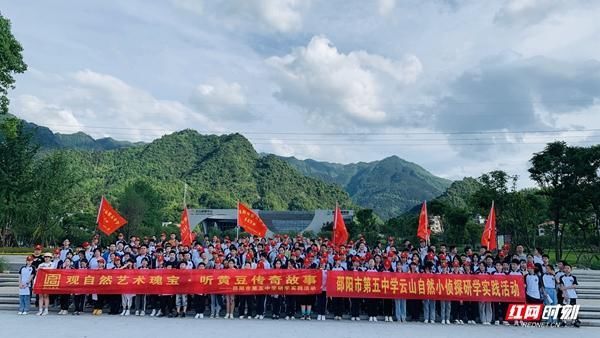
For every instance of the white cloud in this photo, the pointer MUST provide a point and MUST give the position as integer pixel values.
(91, 101)
(282, 16)
(527, 12)
(330, 85)
(221, 100)
(385, 6)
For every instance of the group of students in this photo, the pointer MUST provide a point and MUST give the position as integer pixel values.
(544, 283)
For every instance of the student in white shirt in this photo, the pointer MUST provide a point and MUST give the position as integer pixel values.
(26, 274)
(45, 298)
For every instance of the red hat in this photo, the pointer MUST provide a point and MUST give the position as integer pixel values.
(404, 254)
(430, 256)
(29, 258)
(530, 266)
(442, 257)
(502, 254)
(160, 258)
(467, 263)
(356, 259)
(324, 260)
(101, 260)
(444, 264)
(117, 259)
(38, 247)
(337, 258)
(57, 251)
(456, 264)
(391, 254)
(260, 265)
(85, 244)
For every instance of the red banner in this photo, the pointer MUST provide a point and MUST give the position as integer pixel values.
(482, 288)
(175, 281)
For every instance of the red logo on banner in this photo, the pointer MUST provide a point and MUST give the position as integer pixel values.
(524, 312)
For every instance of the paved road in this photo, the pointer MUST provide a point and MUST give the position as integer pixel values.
(105, 326)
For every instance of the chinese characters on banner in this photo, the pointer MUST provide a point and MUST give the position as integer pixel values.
(171, 281)
(486, 288)
(291, 282)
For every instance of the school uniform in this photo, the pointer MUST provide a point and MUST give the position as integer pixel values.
(533, 287)
(26, 275)
(338, 303)
(569, 294)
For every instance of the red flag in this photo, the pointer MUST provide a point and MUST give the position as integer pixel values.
(340, 233)
(488, 238)
(184, 228)
(250, 221)
(108, 218)
(423, 231)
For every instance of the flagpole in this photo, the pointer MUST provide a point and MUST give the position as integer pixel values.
(237, 221)
(334, 222)
(99, 208)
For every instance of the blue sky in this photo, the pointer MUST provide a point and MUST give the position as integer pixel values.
(459, 87)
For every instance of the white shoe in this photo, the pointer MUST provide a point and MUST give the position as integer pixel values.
(226, 316)
(352, 319)
(318, 317)
(137, 313)
(159, 313)
(142, 313)
(19, 313)
(24, 313)
(201, 315)
(45, 313)
(262, 317)
(212, 315)
(127, 313)
(358, 319)
(40, 312)
(497, 322)
(153, 313)
(426, 321)
(197, 316)
(242, 317)
(123, 313)
(288, 317)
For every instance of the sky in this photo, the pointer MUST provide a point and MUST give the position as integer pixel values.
(458, 87)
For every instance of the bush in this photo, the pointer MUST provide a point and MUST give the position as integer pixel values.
(3, 264)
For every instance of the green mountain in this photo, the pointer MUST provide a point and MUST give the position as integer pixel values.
(219, 171)
(47, 140)
(390, 186)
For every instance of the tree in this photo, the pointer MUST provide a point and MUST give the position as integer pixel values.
(11, 62)
(554, 170)
(17, 155)
(142, 207)
(54, 198)
(365, 223)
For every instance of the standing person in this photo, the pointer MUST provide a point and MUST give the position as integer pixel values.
(372, 303)
(445, 305)
(388, 304)
(276, 299)
(400, 304)
(429, 304)
(215, 301)
(230, 298)
(533, 286)
(65, 298)
(549, 283)
(261, 298)
(291, 300)
(200, 299)
(470, 308)
(45, 298)
(500, 308)
(26, 274)
(485, 308)
(98, 300)
(79, 299)
(127, 298)
(181, 299)
(322, 297)
(140, 299)
(568, 285)
(338, 303)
